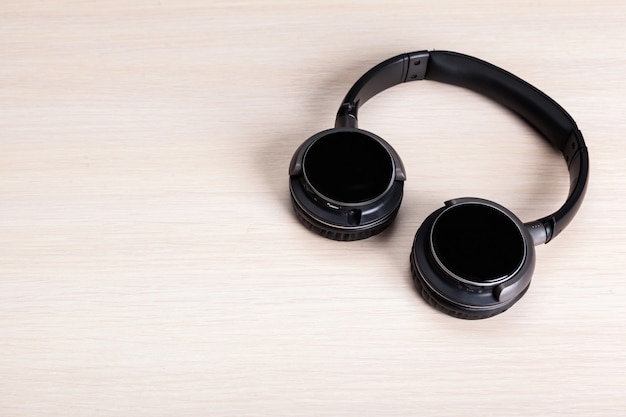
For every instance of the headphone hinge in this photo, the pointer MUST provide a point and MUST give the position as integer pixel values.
(538, 232)
(346, 116)
(418, 63)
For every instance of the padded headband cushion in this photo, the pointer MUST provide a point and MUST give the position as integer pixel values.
(539, 110)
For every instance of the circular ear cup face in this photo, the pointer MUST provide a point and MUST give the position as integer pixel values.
(477, 243)
(348, 167)
(472, 259)
(346, 184)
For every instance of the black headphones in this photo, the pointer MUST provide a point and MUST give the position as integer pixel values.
(472, 258)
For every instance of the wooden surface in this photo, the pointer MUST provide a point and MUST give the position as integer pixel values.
(150, 262)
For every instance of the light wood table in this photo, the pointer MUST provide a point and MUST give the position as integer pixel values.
(150, 262)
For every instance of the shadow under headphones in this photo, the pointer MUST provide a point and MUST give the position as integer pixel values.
(472, 258)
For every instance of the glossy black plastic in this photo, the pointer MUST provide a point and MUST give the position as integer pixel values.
(477, 243)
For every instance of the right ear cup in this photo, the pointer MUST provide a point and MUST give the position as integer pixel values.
(346, 184)
(472, 259)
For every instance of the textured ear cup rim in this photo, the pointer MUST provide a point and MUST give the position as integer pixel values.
(443, 305)
(338, 234)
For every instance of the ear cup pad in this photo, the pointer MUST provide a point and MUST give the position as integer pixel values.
(448, 308)
(472, 259)
(345, 235)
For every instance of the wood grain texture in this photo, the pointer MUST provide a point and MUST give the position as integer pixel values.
(150, 264)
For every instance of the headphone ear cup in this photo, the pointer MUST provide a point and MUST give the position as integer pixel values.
(346, 184)
(472, 259)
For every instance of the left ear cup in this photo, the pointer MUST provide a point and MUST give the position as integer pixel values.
(346, 184)
(472, 259)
